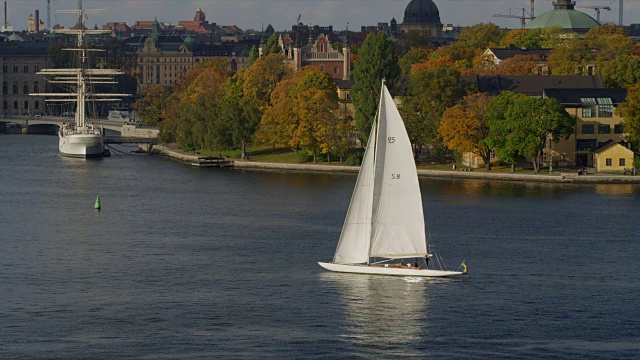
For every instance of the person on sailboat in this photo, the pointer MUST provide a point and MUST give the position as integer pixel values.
(415, 263)
(402, 262)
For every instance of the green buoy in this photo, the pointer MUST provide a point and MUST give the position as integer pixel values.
(97, 206)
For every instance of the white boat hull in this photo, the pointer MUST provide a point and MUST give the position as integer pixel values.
(81, 145)
(391, 271)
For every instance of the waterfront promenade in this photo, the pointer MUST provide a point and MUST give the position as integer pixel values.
(557, 176)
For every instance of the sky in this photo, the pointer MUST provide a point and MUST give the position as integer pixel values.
(282, 14)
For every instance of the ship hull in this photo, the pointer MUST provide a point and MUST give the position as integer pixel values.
(390, 271)
(81, 145)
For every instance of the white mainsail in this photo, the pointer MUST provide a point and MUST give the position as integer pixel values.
(385, 217)
(398, 221)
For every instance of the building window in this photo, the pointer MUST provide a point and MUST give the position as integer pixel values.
(336, 70)
(15, 87)
(5, 87)
(26, 68)
(588, 129)
(25, 88)
(618, 128)
(622, 162)
(36, 87)
(15, 105)
(608, 161)
(588, 107)
(5, 68)
(36, 68)
(604, 129)
(15, 68)
(586, 144)
(605, 106)
(5, 106)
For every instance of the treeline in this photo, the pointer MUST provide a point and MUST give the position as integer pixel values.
(212, 109)
(269, 104)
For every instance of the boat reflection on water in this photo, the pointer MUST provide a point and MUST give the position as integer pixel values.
(384, 316)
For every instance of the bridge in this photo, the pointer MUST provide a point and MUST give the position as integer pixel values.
(129, 134)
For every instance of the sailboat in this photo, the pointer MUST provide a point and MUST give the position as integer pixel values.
(385, 218)
(81, 138)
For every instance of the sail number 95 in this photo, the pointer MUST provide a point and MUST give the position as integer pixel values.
(391, 139)
(395, 176)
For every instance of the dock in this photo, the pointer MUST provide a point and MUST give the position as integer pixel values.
(210, 161)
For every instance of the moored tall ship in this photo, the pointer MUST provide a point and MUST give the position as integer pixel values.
(80, 138)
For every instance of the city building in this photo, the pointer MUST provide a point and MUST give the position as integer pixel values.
(597, 124)
(318, 50)
(20, 63)
(498, 55)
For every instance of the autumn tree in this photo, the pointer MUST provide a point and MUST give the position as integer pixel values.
(465, 127)
(303, 113)
(429, 93)
(533, 38)
(570, 57)
(519, 65)
(262, 77)
(415, 55)
(151, 104)
(377, 61)
(629, 110)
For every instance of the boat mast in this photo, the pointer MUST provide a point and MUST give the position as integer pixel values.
(375, 144)
(81, 75)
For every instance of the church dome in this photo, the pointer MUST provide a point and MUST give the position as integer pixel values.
(564, 16)
(421, 12)
(566, 19)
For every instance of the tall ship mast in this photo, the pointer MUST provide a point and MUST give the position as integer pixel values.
(81, 138)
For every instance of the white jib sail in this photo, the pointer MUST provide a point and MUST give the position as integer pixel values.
(353, 247)
(398, 221)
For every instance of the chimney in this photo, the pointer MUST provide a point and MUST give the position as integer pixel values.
(37, 20)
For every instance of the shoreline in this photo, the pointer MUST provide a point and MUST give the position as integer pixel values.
(557, 177)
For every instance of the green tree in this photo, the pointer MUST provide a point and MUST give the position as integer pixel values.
(377, 61)
(239, 118)
(621, 72)
(530, 122)
(629, 110)
(272, 46)
(480, 36)
(253, 55)
(429, 93)
(500, 128)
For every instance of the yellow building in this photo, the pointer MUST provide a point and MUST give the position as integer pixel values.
(596, 124)
(612, 156)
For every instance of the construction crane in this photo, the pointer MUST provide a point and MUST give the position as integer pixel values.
(596, 8)
(510, 14)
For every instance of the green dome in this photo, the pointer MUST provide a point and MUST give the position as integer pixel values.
(565, 18)
(190, 40)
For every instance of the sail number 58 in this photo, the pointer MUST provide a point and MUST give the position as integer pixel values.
(395, 176)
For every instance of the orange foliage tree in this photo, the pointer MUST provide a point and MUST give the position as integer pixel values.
(465, 127)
